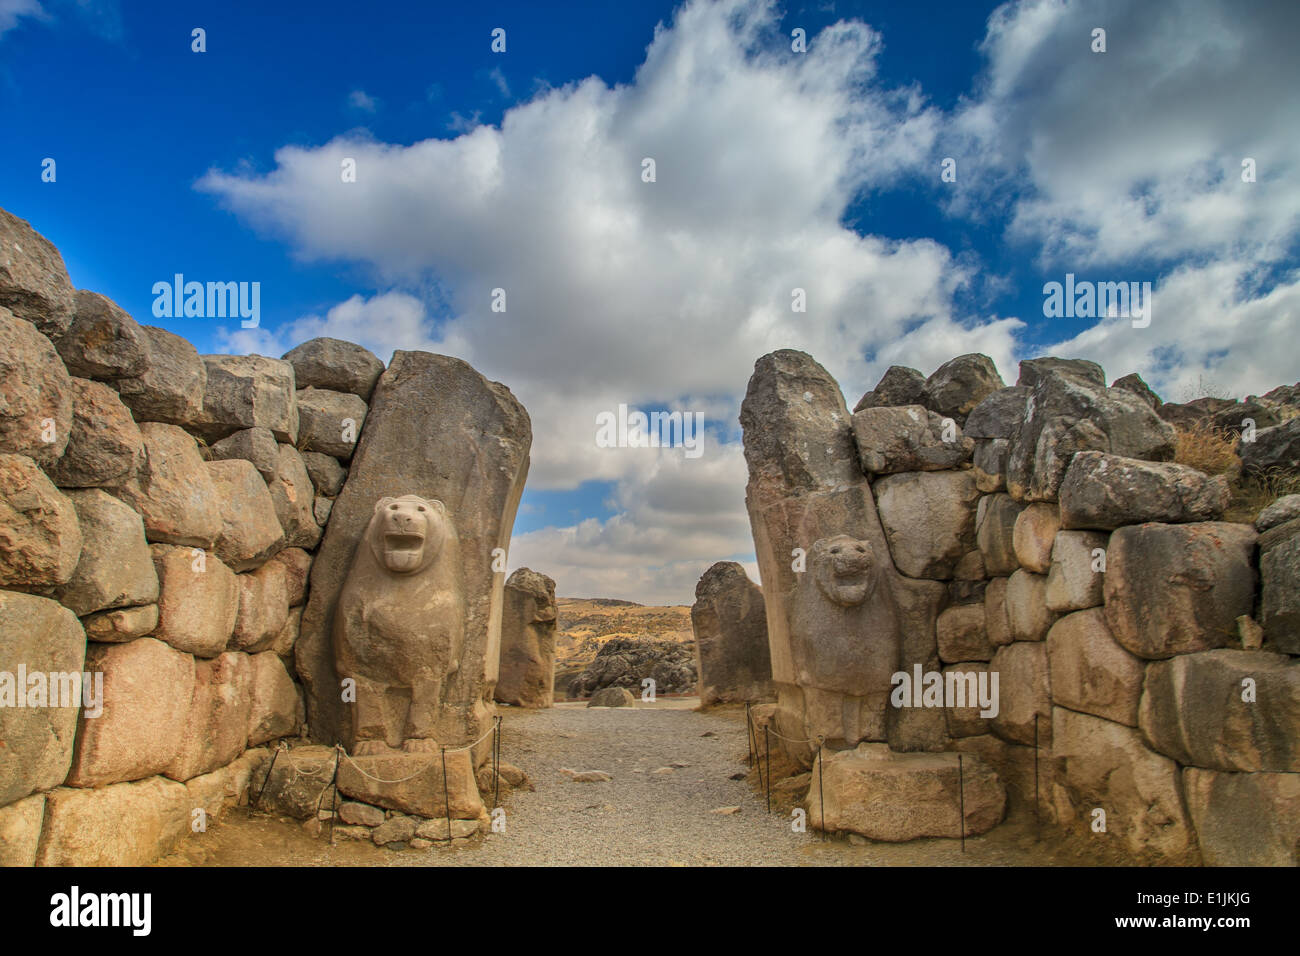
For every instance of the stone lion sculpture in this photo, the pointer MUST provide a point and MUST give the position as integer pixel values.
(844, 641)
(399, 629)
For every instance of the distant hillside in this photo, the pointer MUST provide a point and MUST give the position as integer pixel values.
(586, 624)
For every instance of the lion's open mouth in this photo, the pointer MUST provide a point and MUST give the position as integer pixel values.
(404, 541)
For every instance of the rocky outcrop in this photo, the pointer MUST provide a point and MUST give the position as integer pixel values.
(335, 365)
(627, 663)
(528, 621)
(730, 624)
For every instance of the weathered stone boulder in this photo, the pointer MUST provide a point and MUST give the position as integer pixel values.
(918, 606)
(995, 523)
(964, 716)
(40, 539)
(1279, 570)
(284, 641)
(121, 625)
(730, 624)
(1244, 819)
(326, 474)
(1276, 448)
(989, 463)
(216, 728)
(528, 622)
(275, 706)
(1034, 536)
(248, 391)
(1075, 579)
(1284, 509)
(263, 607)
(1070, 410)
(1224, 710)
(321, 509)
(997, 623)
(960, 384)
(171, 389)
(250, 529)
(329, 422)
(226, 786)
(898, 797)
(294, 498)
(173, 490)
(257, 445)
(197, 602)
(147, 692)
(420, 787)
(38, 636)
(126, 824)
(962, 635)
(907, 438)
(103, 341)
(297, 564)
(1034, 371)
(337, 365)
(1173, 589)
(1106, 492)
(297, 783)
(20, 830)
(34, 282)
(929, 520)
(627, 662)
(115, 568)
(612, 697)
(899, 385)
(1024, 691)
(1089, 672)
(999, 415)
(1133, 382)
(1028, 616)
(104, 447)
(35, 391)
(436, 428)
(1099, 763)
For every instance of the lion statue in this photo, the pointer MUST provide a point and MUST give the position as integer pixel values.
(844, 641)
(400, 626)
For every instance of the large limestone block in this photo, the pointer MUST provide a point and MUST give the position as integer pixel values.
(1280, 601)
(919, 603)
(1070, 410)
(899, 385)
(105, 447)
(248, 391)
(337, 365)
(257, 445)
(997, 623)
(528, 624)
(35, 392)
(326, 474)
(1026, 603)
(1028, 781)
(297, 782)
(908, 438)
(197, 602)
(964, 716)
(126, 824)
(263, 607)
(1099, 763)
(419, 786)
(115, 569)
(121, 625)
(294, 499)
(226, 786)
(1024, 691)
(898, 797)
(929, 519)
(1035, 535)
(329, 422)
(1174, 589)
(297, 564)
(999, 415)
(989, 463)
(963, 635)
(1284, 509)
(172, 490)
(437, 429)
(1225, 710)
(34, 282)
(103, 340)
(276, 708)
(40, 539)
(1244, 819)
(147, 691)
(250, 530)
(995, 523)
(216, 729)
(957, 386)
(37, 636)
(1089, 672)
(20, 831)
(730, 624)
(171, 389)
(1135, 384)
(1274, 449)
(1075, 579)
(1107, 491)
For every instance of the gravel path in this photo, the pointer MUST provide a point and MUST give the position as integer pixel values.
(638, 818)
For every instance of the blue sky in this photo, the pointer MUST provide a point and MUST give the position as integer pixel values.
(776, 169)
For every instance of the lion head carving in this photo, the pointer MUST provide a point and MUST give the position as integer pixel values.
(407, 533)
(844, 568)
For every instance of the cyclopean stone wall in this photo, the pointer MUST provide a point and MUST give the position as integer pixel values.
(161, 513)
(1039, 534)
